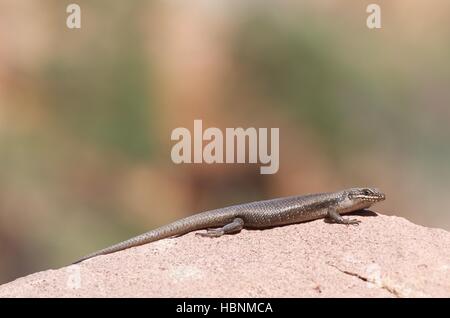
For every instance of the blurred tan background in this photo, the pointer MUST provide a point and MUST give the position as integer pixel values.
(86, 115)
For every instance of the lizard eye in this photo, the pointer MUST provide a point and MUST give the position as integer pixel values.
(366, 192)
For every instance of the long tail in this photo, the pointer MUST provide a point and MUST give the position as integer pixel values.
(180, 227)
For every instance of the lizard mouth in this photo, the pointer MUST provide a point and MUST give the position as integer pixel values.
(370, 198)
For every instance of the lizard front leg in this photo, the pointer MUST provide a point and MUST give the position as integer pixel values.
(233, 227)
(334, 216)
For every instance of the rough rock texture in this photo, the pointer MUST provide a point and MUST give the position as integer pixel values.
(385, 256)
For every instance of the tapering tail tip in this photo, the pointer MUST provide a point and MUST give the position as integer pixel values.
(78, 261)
(85, 258)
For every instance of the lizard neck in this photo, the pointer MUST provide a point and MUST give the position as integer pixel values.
(346, 205)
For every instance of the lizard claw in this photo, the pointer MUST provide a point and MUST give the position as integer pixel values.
(353, 222)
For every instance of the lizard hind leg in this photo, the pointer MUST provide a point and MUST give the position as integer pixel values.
(233, 227)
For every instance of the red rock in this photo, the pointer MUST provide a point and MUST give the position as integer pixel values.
(385, 256)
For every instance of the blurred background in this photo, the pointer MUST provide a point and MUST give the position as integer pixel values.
(86, 115)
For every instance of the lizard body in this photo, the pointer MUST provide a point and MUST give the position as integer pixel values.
(259, 215)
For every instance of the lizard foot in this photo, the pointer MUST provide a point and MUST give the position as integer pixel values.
(211, 233)
(351, 221)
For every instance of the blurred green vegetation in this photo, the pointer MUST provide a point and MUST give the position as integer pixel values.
(295, 66)
(102, 95)
(353, 100)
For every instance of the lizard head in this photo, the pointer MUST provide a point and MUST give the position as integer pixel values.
(363, 197)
